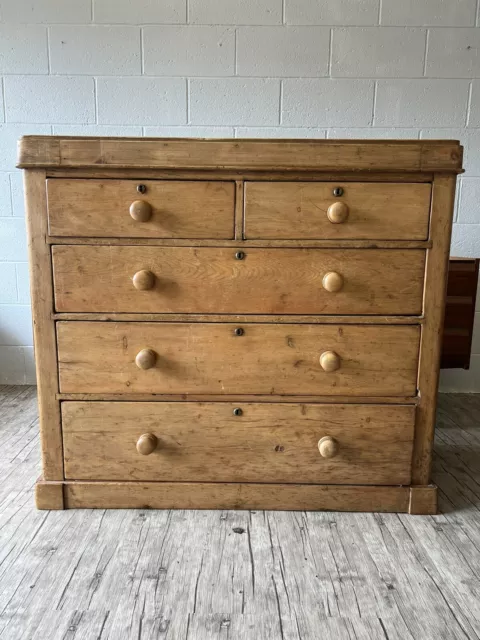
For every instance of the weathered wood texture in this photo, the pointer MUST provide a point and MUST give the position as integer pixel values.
(293, 210)
(436, 271)
(210, 358)
(211, 280)
(224, 495)
(286, 155)
(227, 442)
(208, 575)
(237, 318)
(194, 397)
(43, 329)
(172, 241)
(246, 244)
(49, 495)
(179, 209)
(423, 500)
(272, 175)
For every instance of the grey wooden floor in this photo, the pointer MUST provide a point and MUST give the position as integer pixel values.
(239, 575)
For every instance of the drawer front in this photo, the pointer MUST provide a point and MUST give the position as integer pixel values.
(372, 211)
(181, 441)
(213, 280)
(161, 209)
(217, 358)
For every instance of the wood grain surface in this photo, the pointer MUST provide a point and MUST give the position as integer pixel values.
(180, 209)
(41, 290)
(296, 210)
(264, 155)
(227, 442)
(436, 271)
(223, 495)
(213, 280)
(99, 357)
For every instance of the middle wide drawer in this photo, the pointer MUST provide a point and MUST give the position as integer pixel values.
(145, 279)
(224, 358)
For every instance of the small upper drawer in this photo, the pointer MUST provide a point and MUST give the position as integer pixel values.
(140, 208)
(328, 210)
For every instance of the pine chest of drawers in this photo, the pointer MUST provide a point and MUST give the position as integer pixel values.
(238, 323)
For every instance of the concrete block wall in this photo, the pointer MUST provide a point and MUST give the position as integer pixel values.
(266, 68)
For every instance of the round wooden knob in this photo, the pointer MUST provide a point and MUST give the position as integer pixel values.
(146, 444)
(330, 361)
(141, 211)
(146, 359)
(328, 447)
(143, 280)
(332, 282)
(337, 212)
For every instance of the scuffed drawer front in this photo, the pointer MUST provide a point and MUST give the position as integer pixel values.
(221, 358)
(337, 211)
(228, 280)
(225, 442)
(141, 208)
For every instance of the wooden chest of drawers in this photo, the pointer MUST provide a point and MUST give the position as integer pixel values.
(238, 323)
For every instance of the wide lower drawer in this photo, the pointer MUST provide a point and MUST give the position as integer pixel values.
(211, 358)
(354, 210)
(224, 442)
(222, 280)
(141, 208)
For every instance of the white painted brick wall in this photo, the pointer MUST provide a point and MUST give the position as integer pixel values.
(421, 103)
(189, 50)
(255, 68)
(230, 101)
(137, 11)
(141, 100)
(276, 51)
(43, 99)
(103, 51)
(441, 13)
(370, 52)
(327, 102)
(234, 12)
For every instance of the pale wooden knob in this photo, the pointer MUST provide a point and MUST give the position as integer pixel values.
(337, 212)
(146, 359)
(143, 280)
(332, 282)
(330, 361)
(146, 444)
(328, 447)
(141, 211)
